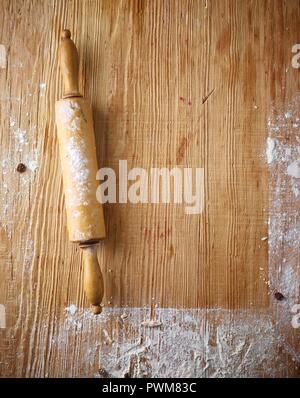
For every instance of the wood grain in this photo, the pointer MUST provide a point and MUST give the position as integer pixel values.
(186, 83)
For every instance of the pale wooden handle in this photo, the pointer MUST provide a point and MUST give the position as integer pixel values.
(69, 65)
(93, 280)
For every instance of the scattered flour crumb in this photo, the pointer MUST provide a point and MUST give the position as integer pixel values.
(124, 316)
(33, 165)
(294, 169)
(12, 123)
(151, 324)
(295, 190)
(72, 309)
(270, 151)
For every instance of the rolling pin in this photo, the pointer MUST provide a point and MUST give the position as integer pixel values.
(77, 150)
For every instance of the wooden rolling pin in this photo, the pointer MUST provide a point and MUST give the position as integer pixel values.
(79, 166)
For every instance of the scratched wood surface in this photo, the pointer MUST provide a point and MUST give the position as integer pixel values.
(186, 83)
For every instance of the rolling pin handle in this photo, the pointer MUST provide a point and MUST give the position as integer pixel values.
(65, 34)
(69, 65)
(93, 280)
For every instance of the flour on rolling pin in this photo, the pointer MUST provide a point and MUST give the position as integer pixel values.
(77, 149)
(78, 157)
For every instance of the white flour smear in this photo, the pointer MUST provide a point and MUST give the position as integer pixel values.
(283, 149)
(187, 343)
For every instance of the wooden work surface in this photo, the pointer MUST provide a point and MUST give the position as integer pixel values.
(186, 83)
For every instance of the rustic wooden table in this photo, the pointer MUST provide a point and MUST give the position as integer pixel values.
(206, 84)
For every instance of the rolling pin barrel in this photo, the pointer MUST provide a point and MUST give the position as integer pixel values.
(79, 165)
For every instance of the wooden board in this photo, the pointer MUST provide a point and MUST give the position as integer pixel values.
(187, 83)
